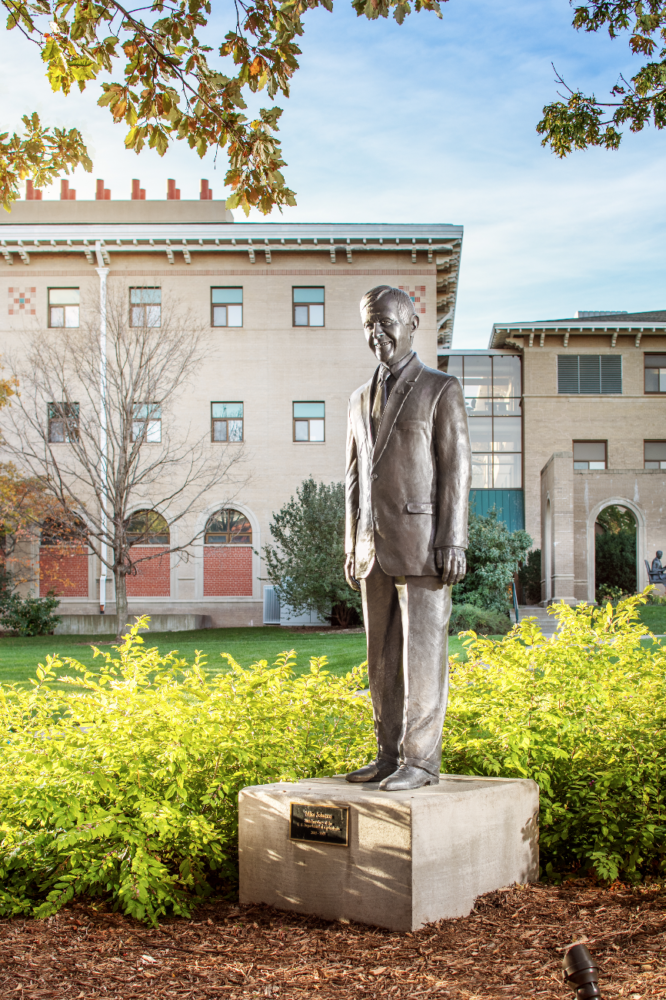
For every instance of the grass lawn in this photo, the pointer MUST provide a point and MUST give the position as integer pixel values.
(654, 616)
(19, 657)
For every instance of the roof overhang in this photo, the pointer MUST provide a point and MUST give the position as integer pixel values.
(437, 245)
(521, 335)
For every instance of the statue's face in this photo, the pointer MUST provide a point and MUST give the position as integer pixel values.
(388, 337)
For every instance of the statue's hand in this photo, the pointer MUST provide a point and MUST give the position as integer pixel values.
(451, 563)
(350, 569)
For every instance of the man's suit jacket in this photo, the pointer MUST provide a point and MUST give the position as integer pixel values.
(407, 492)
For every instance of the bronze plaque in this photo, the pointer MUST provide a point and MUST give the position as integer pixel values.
(320, 824)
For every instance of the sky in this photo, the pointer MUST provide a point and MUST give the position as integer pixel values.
(433, 121)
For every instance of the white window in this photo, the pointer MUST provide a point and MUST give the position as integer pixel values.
(145, 307)
(309, 421)
(64, 304)
(147, 423)
(226, 422)
(226, 307)
(308, 306)
(589, 454)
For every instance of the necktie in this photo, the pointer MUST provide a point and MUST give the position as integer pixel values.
(381, 397)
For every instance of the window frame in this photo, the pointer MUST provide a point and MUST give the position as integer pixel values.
(295, 419)
(229, 532)
(652, 392)
(226, 326)
(214, 420)
(143, 305)
(580, 375)
(148, 419)
(646, 460)
(294, 304)
(490, 460)
(604, 442)
(68, 438)
(64, 305)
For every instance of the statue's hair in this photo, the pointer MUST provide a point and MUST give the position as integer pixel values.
(404, 303)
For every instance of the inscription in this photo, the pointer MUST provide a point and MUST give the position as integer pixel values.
(320, 824)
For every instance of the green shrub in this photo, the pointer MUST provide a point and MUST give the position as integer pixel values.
(29, 615)
(493, 556)
(615, 550)
(124, 785)
(466, 617)
(582, 713)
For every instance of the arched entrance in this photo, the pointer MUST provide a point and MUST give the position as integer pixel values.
(616, 558)
(63, 558)
(149, 538)
(228, 554)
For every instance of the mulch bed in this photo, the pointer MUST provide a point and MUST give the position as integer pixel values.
(511, 946)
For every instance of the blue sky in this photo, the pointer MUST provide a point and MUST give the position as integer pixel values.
(434, 121)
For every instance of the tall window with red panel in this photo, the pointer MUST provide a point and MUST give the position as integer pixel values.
(228, 555)
(63, 558)
(149, 538)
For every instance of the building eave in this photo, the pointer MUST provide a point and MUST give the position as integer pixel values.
(504, 333)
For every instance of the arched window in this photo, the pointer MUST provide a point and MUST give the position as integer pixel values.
(147, 527)
(228, 555)
(228, 527)
(149, 538)
(63, 557)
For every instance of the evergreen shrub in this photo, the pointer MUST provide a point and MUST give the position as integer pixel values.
(466, 617)
(582, 713)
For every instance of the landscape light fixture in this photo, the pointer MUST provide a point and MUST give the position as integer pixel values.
(581, 973)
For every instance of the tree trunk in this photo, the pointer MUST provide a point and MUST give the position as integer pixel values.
(121, 599)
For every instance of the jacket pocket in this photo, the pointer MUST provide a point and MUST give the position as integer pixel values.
(420, 508)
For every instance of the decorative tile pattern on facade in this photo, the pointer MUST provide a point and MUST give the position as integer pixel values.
(227, 571)
(153, 577)
(417, 295)
(22, 300)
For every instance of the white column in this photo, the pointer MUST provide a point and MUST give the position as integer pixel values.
(103, 274)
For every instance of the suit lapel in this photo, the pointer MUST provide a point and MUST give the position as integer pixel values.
(396, 401)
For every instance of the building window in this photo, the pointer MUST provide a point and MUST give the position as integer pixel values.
(63, 422)
(147, 423)
(655, 372)
(309, 421)
(64, 307)
(226, 422)
(145, 307)
(655, 454)
(226, 307)
(147, 527)
(589, 454)
(589, 374)
(492, 390)
(308, 304)
(228, 527)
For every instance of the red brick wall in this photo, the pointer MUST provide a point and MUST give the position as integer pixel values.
(153, 577)
(64, 569)
(228, 570)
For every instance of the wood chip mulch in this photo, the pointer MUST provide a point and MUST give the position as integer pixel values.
(511, 946)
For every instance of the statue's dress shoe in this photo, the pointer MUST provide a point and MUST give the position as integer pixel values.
(376, 770)
(407, 777)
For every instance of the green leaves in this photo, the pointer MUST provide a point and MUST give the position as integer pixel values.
(123, 785)
(583, 715)
(306, 564)
(41, 153)
(167, 91)
(579, 121)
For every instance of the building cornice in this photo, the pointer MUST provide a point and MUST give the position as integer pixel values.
(438, 245)
(505, 333)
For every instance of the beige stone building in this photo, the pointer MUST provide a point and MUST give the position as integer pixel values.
(568, 417)
(284, 351)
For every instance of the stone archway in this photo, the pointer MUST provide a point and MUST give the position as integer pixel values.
(641, 541)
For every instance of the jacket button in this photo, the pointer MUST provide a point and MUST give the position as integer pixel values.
(374, 476)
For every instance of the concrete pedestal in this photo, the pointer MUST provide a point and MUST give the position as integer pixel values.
(413, 857)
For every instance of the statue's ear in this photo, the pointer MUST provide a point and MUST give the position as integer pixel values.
(415, 326)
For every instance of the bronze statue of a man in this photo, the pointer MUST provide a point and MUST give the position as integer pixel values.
(407, 487)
